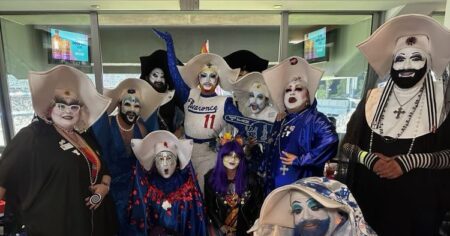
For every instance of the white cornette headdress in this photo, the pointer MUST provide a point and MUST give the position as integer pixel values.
(161, 140)
(279, 76)
(245, 84)
(417, 31)
(149, 98)
(43, 85)
(190, 71)
(276, 209)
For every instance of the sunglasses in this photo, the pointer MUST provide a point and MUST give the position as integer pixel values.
(67, 108)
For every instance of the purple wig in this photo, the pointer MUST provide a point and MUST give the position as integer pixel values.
(219, 179)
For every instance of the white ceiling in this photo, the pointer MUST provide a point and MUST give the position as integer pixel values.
(228, 5)
(212, 12)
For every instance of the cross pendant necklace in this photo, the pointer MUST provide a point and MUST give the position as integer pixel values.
(399, 111)
(284, 169)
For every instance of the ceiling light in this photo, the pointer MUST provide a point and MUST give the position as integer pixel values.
(296, 41)
(277, 6)
(95, 6)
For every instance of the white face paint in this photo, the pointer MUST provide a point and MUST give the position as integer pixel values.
(310, 217)
(409, 59)
(257, 100)
(208, 78)
(231, 161)
(130, 108)
(166, 163)
(295, 96)
(66, 112)
(157, 75)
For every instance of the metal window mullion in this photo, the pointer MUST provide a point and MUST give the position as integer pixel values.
(5, 106)
(96, 52)
(284, 34)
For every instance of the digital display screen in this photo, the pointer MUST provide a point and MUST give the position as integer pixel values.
(315, 45)
(69, 46)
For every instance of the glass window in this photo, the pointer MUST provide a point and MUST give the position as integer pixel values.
(329, 42)
(38, 43)
(126, 37)
(439, 16)
(2, 138)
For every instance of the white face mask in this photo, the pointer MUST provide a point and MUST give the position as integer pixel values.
(257, 100)
(130, 108)
(66, 112)
(310, 217)
(231, 161)
(208, 79)
(409, 59)
(166, 163)
(157, 80)
(295, 95)
(157, 75)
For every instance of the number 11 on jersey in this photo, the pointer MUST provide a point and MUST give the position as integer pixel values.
(209, 119)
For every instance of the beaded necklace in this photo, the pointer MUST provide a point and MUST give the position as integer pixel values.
(120, 126)
(408, 120)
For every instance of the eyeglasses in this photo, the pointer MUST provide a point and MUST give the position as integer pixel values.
(67, 108)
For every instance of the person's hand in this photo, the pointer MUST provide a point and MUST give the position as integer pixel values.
(239, 140)
(164, 35)
(100, 189)
(381, 164)
(280, 116)
(288, 158)
(391, 171)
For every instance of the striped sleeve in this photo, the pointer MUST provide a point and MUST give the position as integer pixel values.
(355, 153)
(368, 159)
(435, 160)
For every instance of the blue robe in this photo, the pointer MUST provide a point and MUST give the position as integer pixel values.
(172, 206)
(310, 136)
(121, 164)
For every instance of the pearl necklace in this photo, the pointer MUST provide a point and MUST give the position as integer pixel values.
(121, 128)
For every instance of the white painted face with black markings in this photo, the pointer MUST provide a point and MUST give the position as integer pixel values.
(166, 163)
(130, 108)
(409, 59)
(208, 78)
(295, 95)
(157, 75)
(231, 161)
(311, 217)
(257, 99)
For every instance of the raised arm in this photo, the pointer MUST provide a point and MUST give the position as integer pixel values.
(181, 88)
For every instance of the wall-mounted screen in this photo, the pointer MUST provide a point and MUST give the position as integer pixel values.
(316, 45)
(69, 47)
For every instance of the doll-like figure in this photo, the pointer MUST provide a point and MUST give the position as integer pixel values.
(155, 71)
(168, 188)
(305, 139)
(397, 139)
(135, 100)
(233, 194)
(205, 111)
(311, 206)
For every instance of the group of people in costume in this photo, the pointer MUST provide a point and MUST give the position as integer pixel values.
(164, 154)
